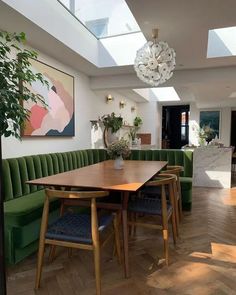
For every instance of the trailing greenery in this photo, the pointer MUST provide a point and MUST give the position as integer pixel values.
(16, 78)
(133, 130)
(112, 121)
(138, 122)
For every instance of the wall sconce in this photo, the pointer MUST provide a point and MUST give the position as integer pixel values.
(109, 98)
(133, 108)
(122, 104)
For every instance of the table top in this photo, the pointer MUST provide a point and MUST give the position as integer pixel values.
(103, 176)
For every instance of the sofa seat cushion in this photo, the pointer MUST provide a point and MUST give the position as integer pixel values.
(186, 183)
(23, 210)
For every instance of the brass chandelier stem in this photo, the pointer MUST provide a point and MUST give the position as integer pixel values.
(155, 34)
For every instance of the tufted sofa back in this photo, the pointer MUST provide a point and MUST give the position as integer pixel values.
(17, 171)
(173, 157)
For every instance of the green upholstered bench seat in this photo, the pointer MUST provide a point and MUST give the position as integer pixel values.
(21, 211)
(23, 203)
(186, 183)
(186, 189)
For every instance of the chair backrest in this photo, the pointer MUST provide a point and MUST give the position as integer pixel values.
(163, 181)
(92, 195)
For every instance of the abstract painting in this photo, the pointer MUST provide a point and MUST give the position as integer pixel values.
(211, 119)
(58, 118)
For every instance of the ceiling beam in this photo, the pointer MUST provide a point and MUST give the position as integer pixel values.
(180, 78)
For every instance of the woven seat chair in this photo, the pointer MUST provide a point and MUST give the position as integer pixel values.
(155, 192)
(161, 208)
(176, 170)
(77, 230)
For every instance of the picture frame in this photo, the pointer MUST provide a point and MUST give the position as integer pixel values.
(212, 119)
(58, 118)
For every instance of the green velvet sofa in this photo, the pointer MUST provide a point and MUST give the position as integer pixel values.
(24, 203)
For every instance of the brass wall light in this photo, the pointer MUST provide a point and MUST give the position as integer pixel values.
(122, 104)
(133, 108)
(109, 98)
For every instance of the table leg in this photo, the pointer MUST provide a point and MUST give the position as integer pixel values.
(125, 198)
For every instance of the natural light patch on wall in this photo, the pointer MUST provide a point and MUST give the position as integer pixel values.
(221, 42)
(165, 94)
(144, 92)
(122, 49)
(161, 94)
(103, 18)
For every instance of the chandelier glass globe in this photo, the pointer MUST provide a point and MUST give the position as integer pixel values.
(155, 62)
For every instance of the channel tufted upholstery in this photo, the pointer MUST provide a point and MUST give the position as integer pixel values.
(24, 203)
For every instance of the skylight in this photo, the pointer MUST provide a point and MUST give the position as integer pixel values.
(162, 94)
(221, 42)
(122, 49)
(103, 18)
(165, 94)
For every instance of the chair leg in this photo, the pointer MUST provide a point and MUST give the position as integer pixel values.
(135, 220)
(117, 237)
(176, 211)
(173, 223)
(52, 253)
(43, 229)
(39, 264)
(180, 201)
(174, 204)
(166, 245)
(70, 250)
(97, 269)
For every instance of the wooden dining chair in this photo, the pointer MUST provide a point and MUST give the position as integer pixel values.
(146, 205)
(77, 230)
(176, 170)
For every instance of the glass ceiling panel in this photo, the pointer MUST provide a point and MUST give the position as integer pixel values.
(103, 18)
(221, 42)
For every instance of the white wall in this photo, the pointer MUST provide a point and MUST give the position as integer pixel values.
(149, 112)
(88, 106)
(225, 124)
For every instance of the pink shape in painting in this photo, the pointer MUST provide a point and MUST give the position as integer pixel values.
(37, 115)
(57, 118)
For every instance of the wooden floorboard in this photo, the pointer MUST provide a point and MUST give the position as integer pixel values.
(203, 262)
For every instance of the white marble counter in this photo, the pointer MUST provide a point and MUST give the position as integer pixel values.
(212, 167)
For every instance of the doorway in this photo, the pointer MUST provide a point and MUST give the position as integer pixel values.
(233, 143)
(175, 126)
(233, 129)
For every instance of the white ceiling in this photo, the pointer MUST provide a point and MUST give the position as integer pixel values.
(184, 24)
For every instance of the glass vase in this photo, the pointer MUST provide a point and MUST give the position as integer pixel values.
(119, 163)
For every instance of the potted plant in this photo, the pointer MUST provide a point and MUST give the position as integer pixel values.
(205, 134)
(15, 79)
(112, 121)
(133, 130)
(118, 151)
(112, 124)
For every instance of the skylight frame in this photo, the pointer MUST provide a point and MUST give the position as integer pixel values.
(84, 25)
(219, 43)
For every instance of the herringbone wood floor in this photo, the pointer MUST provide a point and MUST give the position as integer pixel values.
(204, 261)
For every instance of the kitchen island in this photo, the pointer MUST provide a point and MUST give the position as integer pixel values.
(212, 166)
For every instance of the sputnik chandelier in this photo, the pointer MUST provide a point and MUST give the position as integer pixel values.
(155, 61)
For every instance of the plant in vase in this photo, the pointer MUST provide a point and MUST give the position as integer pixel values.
(112, 124)
(112, 121)
(118, 151)
(133, 130)
(205, 134)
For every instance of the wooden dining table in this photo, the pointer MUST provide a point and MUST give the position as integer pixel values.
(103, 176)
